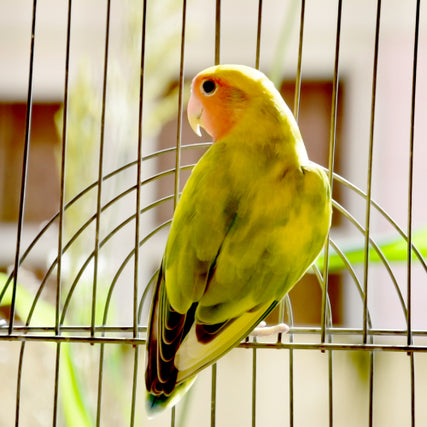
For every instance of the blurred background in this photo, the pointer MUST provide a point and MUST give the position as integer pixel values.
(81, 384)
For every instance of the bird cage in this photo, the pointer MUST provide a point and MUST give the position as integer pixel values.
(94, 152)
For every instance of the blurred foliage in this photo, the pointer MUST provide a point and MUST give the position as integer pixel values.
(393, 249)
(290, 19)
(71, 392)
(84, 128)
(120, 128)
(160, 102)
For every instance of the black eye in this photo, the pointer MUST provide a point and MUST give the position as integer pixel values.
(209, 87)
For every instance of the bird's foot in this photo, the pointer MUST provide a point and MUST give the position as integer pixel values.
(263, 330)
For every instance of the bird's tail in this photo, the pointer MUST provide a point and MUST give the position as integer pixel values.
(155, 404)
(165, 333)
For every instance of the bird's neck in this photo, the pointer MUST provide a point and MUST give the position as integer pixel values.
(267, 145)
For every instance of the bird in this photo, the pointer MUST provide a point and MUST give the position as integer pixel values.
(253, 216)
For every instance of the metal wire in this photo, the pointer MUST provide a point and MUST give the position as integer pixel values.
(410, 209)
(24, 168)
(369, 172)
(326, 337)
(411, 170)
(61, 216)
(297, 99)
(331, 155)
(258, 38)
(22, 204)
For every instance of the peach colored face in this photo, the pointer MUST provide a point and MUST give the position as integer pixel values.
(214, 105)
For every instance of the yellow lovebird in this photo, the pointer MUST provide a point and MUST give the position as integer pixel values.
(253, 217)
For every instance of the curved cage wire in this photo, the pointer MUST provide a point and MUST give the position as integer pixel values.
(76, 289)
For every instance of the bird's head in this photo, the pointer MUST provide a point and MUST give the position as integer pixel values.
(222, 95)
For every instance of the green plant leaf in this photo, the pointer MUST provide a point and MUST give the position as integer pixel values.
(72, 395)
(74, 408)
(394, 250)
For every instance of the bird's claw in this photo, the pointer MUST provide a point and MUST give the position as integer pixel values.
(263, 330)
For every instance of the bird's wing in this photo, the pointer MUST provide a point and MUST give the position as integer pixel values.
(215, 264)
(268, 246)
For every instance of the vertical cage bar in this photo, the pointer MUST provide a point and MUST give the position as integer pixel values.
(291, 385)
(369, 178)
(410, 208)
(371, 388)
(134, 385)
(331, 386)
(217, 31)
(411, 175)
(22, 209)
(329, 323)
(178, 132)
(412, 362)
(139, 174)
(61, 218)
(254, 350)
(139, 171)
(254, 379)
(19, 383)
(213, 395)
(258, 36)
(173, 416)
(331, 157)
(24, 173)
(100, 171)
(290, 320)
(62, 172)
(100, 382)
(180, 106)
(56, 385)
(138, 217)
(297, 97)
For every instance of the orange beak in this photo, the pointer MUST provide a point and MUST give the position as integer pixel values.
(194, 114)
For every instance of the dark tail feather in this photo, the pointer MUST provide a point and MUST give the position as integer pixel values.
(167, 328)
(155, 404)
